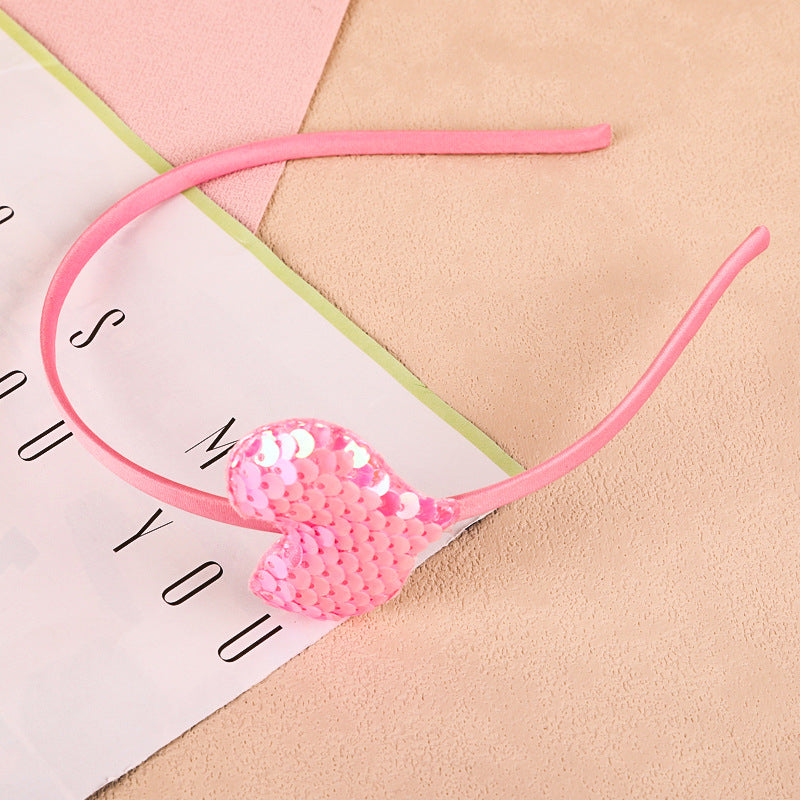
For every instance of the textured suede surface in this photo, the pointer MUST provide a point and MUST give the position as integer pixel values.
(631, 631)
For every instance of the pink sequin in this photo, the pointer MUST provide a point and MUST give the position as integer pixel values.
(351, 526)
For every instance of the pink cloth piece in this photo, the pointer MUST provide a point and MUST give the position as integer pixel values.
(190, 77)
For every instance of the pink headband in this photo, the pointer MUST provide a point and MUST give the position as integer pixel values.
(350, 527)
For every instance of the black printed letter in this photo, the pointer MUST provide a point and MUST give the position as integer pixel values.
(245, 650)
(215, 445)
(145, 529)
(46, 449)
(21, 378)
(176, 601)
(91, 337)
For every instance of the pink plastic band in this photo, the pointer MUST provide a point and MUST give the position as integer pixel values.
(175, 181)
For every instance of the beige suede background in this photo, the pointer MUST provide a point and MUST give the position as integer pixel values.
(631, 631)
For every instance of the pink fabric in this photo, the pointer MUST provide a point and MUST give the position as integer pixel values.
(176, 180)
(170, 72)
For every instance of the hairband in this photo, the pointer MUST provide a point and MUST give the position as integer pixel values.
(350, 527)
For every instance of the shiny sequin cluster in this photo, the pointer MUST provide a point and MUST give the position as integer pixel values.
(351, 528)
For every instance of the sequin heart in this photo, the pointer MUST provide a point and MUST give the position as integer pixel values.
(351, 528)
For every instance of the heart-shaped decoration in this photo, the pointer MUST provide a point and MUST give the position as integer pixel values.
(351, 528)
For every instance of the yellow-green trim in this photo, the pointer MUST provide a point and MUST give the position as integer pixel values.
(239, 232)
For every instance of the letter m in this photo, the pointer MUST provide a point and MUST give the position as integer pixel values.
(215, 445)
